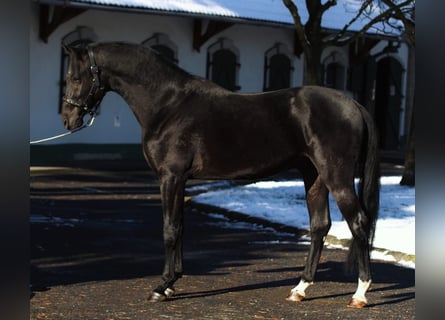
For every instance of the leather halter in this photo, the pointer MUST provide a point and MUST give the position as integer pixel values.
(88, 105)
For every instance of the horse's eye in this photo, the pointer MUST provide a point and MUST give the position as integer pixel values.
(72, 77)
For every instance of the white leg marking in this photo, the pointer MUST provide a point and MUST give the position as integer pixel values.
(301, 287)
(169, 292)
(362, 287)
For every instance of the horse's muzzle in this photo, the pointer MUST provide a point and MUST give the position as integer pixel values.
(73, 124)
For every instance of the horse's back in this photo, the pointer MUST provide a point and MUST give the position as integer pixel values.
(245, 135)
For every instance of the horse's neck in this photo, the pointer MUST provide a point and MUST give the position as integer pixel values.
(142, 89)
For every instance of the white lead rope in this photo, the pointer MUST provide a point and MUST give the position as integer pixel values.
(88, 124)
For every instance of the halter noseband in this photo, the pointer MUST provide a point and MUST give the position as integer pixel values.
(95, 88)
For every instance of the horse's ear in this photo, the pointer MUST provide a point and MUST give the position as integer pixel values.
(74, 52)
(66, 49)
(69, 49)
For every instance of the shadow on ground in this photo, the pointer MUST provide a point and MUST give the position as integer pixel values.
(99, 234)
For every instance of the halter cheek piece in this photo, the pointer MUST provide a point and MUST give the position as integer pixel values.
(88, 105)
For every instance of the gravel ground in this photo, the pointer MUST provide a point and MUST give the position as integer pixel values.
(96, 253)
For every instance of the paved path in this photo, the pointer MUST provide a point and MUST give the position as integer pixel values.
(96, 249)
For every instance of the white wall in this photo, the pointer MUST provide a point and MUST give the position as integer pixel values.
(252, 41)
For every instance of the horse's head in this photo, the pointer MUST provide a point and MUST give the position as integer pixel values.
(84, 91)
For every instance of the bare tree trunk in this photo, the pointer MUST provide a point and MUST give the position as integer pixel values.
(310, 37)
(312, 68)
(408, 178)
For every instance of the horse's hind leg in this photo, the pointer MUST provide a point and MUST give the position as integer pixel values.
(320, 222)
(359, 225)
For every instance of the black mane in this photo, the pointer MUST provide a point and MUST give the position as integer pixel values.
(139, 58)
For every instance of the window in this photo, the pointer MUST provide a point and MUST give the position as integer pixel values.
(334, 72)
(223, 64)
(277, 68)
(80, 37)
(335, 76)
(162, 44)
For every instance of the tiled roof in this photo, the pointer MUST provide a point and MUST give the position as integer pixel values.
(271, 11)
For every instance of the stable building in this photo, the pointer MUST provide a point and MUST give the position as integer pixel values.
(245, 46)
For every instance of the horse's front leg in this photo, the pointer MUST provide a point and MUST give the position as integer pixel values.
(172, 193)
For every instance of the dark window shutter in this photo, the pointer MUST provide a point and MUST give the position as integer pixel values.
(224, 69)
(279, 72)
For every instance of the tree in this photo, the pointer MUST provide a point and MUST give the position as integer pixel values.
(313, 38)
(404, 14)
(380, 14)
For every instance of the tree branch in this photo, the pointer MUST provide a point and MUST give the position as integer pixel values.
(343, 31)
(327, 5)
(406, 16)
(299, 28)
(384, 15)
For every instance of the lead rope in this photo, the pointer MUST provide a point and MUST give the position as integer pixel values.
(88, 124)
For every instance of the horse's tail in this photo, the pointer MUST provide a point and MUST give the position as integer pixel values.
(369, 185)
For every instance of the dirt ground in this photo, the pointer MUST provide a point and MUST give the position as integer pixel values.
(97, 251)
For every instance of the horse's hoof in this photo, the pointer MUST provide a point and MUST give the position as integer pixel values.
(294, 296)
(169, 292)
(356, 304)
(156, 297)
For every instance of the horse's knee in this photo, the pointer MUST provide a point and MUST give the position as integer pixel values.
(320, 220)
(320, 226)
(318, 206)
(172, 232)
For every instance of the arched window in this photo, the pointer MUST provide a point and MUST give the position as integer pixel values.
(277, 68)
(223, 64)
(334, 72)
(335, 76)
(80, 37)
(162, 44)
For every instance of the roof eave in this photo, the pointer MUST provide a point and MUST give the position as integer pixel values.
(243, 20)
(142, 10)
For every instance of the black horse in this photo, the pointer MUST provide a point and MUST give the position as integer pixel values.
(193, 128)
